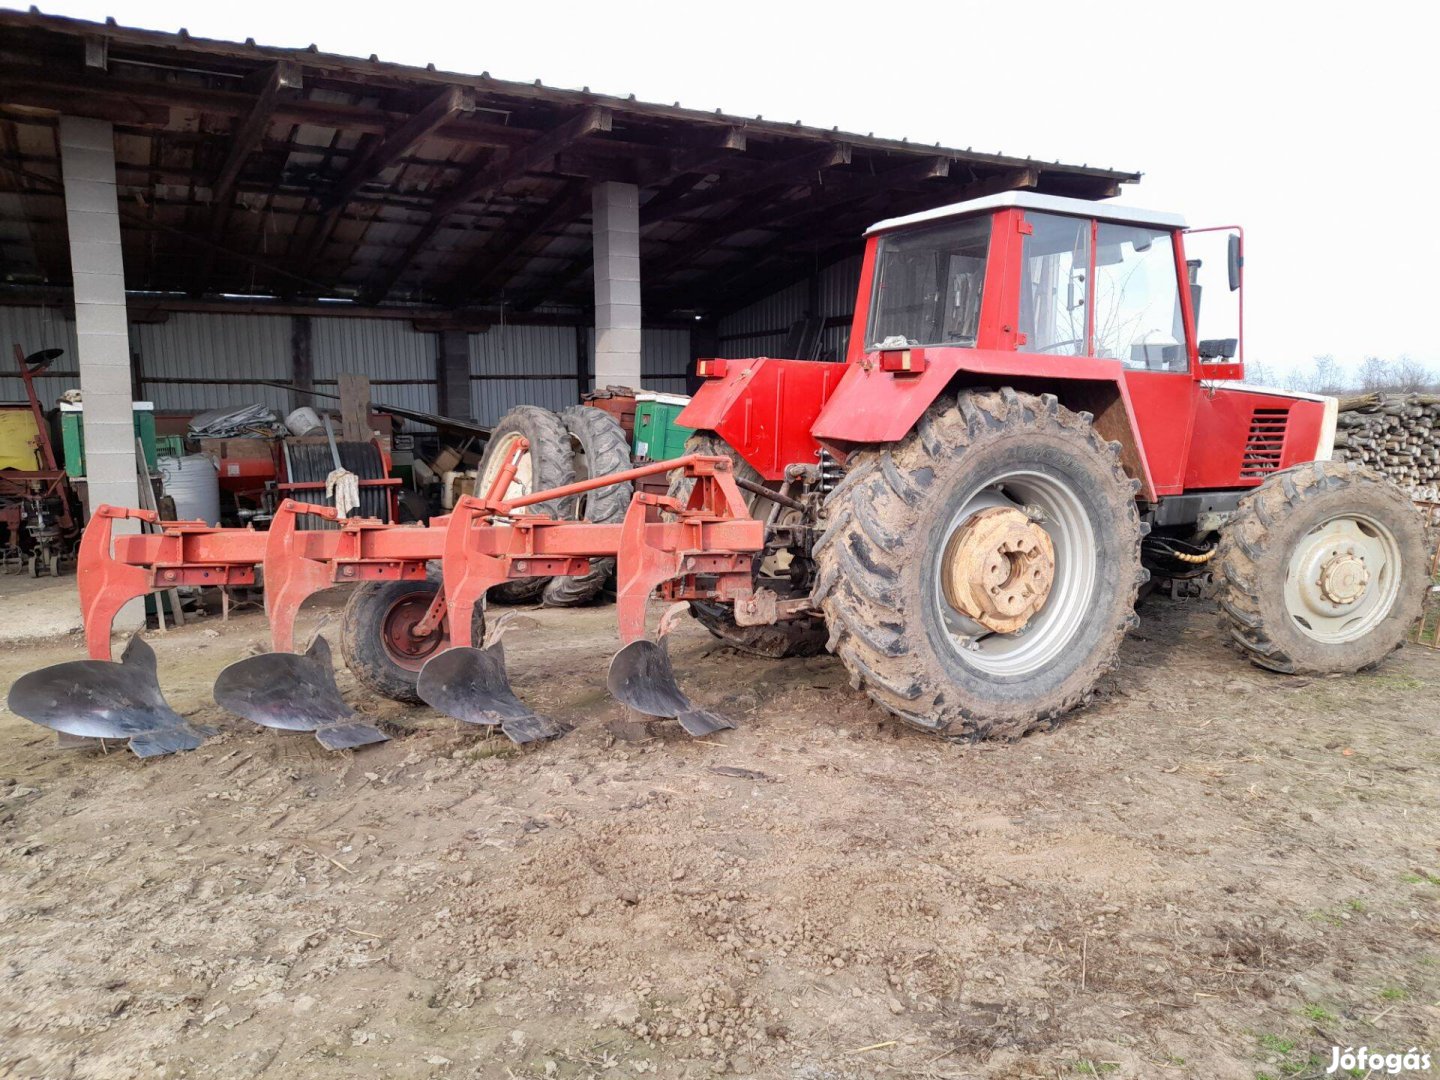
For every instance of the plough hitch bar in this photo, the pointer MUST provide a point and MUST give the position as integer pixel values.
(701, 549)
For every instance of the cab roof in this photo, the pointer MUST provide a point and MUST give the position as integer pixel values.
(1029, 200)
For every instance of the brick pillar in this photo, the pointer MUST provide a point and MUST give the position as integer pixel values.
(92, 216)
(616, 217)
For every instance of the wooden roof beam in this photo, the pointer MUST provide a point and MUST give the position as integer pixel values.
(791, 171)
(504, 167)
(443, 107)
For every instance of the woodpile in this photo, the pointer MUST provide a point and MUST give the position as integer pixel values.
(1396, 434)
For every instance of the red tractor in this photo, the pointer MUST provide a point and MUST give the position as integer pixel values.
(1025, 430)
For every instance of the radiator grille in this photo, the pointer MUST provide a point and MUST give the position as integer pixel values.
(1266, 441)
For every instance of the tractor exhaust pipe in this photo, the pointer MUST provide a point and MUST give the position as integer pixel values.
(102, 699)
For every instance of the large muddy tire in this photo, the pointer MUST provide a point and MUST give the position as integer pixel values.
(898, 525)
(794, 637)
(374, 639)
(600, 448)
(1323, 569)
(547, 464)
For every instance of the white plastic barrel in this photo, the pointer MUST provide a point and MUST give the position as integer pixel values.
(303, 421)
(193, 482)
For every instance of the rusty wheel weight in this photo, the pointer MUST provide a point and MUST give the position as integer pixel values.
(998, 569)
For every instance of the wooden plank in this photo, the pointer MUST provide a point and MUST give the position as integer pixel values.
(354, 408)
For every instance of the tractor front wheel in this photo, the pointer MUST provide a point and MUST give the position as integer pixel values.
(377, 640)
(1323, 569)
(978, 577)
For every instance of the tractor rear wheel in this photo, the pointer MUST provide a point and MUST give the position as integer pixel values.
(600, 448)
(1323, 569)
(548, 463)
(792, 637)
(376, 640)
(978, 577)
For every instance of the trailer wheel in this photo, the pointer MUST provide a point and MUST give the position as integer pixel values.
(548, 463)
(600, 448)
(1324, 569)
(978, 577)
(375, 641)
(794, 637)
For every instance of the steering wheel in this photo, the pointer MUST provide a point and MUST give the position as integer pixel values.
(1058, 345)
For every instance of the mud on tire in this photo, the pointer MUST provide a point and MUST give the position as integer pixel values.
(603, 449)
(795, 637)
(889, 521)
(549, 463)
(1255, 553)
(379, 665)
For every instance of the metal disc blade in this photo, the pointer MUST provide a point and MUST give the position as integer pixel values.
(642, 677)
(102, 699)
(473, 686)
(291, 692)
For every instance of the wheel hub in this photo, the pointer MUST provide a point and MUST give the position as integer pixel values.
(998, 569)
(1343, 578)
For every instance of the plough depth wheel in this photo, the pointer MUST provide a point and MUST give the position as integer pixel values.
(377, 641)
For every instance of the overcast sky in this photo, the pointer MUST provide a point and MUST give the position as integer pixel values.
(1303, 122)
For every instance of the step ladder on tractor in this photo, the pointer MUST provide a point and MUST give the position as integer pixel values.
(1026, 430)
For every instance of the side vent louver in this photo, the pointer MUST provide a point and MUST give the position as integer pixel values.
(1266, 441)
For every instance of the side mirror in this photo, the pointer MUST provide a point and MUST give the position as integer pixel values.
(1235, 261)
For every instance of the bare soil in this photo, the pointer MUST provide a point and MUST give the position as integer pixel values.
(1212, 871)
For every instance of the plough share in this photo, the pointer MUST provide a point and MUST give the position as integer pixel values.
(701, 549)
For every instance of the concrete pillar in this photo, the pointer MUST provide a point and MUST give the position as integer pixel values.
(92, 216)
(616, 216)
(452, 376)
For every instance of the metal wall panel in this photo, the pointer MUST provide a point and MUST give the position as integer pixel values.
(33, 329)
(762, 328)
(664, 360)
(399, 360)
(220, 347)
(522, 350)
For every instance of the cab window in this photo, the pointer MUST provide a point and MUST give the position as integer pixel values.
(927, 286)
(1053, 288)
(1138, 319)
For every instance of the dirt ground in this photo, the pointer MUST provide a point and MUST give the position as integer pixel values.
(1211, 872)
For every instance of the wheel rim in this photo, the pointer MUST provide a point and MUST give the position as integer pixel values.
(1068, 594)
(499, 453)
(398, 638)
(1343, 578)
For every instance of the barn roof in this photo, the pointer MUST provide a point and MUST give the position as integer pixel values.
(297, 176)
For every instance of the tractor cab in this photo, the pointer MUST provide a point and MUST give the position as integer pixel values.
(1044, 275)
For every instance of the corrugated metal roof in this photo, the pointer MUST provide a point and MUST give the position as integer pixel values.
(494, 166)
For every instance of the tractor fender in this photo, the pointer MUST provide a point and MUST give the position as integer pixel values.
(873, 405)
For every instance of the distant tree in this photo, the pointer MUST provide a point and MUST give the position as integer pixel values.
(1326, 377)
(1410, 376)
(1259, 373)
(1375, 374)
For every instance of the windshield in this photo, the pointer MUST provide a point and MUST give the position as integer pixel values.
(927, 286)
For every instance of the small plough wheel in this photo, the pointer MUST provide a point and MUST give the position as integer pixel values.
(795, 637)
(600, 448)
(376, 641)
(978, 577)
(1323, 569)
(549, 463)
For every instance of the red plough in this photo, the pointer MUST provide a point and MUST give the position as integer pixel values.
(702, 549)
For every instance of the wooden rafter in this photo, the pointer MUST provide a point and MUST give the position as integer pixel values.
(381, 154)
(506, 166)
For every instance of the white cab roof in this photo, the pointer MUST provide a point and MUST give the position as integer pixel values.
(1050, 204)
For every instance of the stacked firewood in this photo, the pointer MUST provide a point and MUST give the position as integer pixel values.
(1396, 434)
